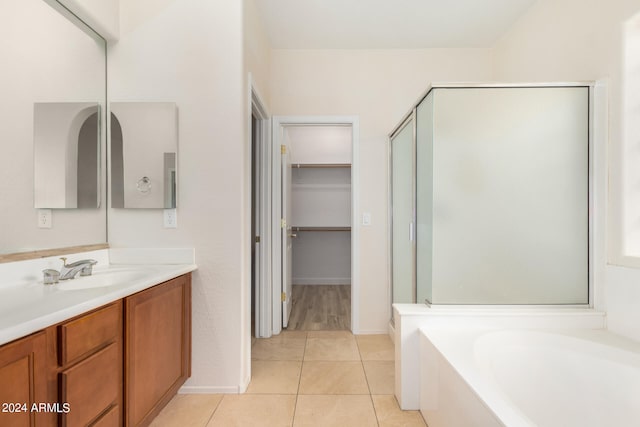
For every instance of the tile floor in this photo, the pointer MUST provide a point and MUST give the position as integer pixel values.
(319, 378)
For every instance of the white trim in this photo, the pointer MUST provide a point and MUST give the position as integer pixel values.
(355, 225)
(263, 291)
(598, 134)
(276, 244)
(374, 332)
(244, 385)
(354, 122)
(209, 390)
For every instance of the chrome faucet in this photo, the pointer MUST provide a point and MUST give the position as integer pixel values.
(69, 271)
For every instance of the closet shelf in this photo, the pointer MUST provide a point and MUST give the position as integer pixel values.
(328, 228)
(320, 165)
(319, 186)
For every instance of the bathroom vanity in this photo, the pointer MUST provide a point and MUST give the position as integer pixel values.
(118, 363)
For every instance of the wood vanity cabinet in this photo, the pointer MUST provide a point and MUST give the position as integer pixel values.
(157, 348)
(116, 365)
(23, 381)
(89, 353)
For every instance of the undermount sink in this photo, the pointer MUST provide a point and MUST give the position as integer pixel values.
(102, 279)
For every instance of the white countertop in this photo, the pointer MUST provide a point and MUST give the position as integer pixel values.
(26, 308)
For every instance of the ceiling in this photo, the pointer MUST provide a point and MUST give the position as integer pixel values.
(387, 24)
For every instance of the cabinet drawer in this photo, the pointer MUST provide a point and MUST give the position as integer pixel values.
(80, 336)
(91, 386)
(109, 419)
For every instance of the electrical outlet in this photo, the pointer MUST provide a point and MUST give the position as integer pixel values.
(170, 218)
(44, 218)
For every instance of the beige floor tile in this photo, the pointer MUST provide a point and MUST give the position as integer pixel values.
(278, 348)
(333, 378)
(292, 334)
(380, 376)
(375, 347)
(338, 411)
(274, 377)
(390, 415)
(331, 349)
(330, 334)
(254, 410)
(188, 410)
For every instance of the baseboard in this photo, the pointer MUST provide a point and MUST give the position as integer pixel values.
(392, 332)
(373, 332)
(209, 390)
(245, 384)
(321, 280)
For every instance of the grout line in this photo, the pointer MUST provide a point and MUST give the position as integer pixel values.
(214, 411)
(295, 406)
(375, 413)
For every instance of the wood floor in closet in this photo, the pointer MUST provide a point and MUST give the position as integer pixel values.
(320, 308)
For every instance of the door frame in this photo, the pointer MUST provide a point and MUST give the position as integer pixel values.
(279, 123)
(262, 303)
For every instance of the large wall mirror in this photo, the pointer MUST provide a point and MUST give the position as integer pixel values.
(49, 60)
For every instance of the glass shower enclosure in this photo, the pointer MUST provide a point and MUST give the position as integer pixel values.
(490, 196)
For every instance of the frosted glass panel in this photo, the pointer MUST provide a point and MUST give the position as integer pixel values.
(510, 196)
(402, 215)
(424, 198)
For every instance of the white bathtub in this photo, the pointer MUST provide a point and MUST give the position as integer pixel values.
(529, 378)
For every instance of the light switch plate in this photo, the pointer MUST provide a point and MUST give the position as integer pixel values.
(366, 218)
(170, 218)
(44, 218)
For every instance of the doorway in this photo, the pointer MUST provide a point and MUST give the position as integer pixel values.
(260, 235)
(315, 261)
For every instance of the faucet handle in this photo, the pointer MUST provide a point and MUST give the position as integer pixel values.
(88, 270)
(64, 260)
(50, 276)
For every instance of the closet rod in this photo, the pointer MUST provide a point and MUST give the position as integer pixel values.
(321, 228)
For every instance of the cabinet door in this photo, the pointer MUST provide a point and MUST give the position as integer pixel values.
(23, 380)
(91, 386)
(157, 347)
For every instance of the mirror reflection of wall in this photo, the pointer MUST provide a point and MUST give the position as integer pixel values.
(66, 144)
(46, 58)
(144, 146)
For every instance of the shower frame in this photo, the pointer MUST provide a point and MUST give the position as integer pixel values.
(595, 90)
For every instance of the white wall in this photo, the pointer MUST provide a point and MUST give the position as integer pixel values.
(322, 258)
(379, 86)
(574, 40)
(101, 15)
(257, 51)
(191, 52)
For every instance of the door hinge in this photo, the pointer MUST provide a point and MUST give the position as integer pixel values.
(284, 297)
(257, 239)
(283, 223)
(283, 149)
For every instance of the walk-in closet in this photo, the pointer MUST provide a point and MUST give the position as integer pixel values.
(321, 226)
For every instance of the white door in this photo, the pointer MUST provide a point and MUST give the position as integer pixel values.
(287, 235)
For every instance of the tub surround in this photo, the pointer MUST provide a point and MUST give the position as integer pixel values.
(410, 318)
(27, 305)
(519, 378)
